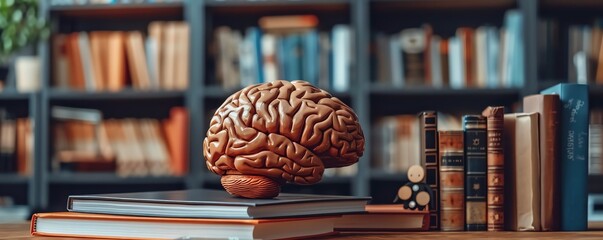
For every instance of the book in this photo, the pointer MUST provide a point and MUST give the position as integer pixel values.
(413, 55)
(595, 149)
(428, 136)
(452, 180)
(384, 217)
(290, 23)
(175, 131)
(573, 121)
(475, 143)
(495, 167)
(522, 172)
(204, 203)
(68, 224)
(548, 108)
(342, 57)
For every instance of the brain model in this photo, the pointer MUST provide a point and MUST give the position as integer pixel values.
(268, 134)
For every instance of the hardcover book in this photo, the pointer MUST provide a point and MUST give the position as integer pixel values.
(574, 115)
(428, 122)
(204, 203)
(68, 224)
(522, 172)
(452, 179)
(384, 217)
(548, 108)
(496, 164)
(475, 172)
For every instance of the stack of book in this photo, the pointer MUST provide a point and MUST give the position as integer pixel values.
(484, 57)
(286, 48)
(83, 141)
(583, 60)
(16, 144)
(516, 171)
(113, 60)
(207, 214)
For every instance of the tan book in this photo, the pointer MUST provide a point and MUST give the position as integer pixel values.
(154, 149)
(98, 52)
(169, 56)
(137, 61)
(599, 75)
(61, 68)
(76, 69)
(118, 143)
(136, 157)
(384, 217)
(523, 172)
(181, 56)
(116, 62)
(175, 130)
(548, 108)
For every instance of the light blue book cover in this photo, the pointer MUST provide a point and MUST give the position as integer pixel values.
(310, 57)
(573, 134)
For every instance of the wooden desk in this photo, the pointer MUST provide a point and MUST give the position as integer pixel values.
(21, 231)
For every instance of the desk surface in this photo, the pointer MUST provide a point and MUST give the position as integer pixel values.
(21, 231)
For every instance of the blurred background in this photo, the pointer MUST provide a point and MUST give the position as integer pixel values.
(116, 95)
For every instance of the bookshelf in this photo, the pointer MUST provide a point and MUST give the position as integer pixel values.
(370, 100)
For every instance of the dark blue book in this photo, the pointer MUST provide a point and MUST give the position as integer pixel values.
(310, 57)
(475, 144)
(574, 152)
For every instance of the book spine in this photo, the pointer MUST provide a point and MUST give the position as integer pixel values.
(495, 166)
(452, 178)
(475, 172)
(574, 152)
(429, 159)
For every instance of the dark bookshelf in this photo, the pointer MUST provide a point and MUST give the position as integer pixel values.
(48, 190)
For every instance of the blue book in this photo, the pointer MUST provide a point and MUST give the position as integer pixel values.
(514, 54)
(310, 57)
(281, 57)
(255, 36)
(573, 125)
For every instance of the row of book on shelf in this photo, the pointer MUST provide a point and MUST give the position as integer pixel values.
(16, 144)
(114, 60)
(583, 57)
(103, 2)
(514, 171)
(287, 48)
(484, 57)
(85, 142)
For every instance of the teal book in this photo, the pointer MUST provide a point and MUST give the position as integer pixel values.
(574, 152)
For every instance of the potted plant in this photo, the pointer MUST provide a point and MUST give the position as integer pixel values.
(20, 30)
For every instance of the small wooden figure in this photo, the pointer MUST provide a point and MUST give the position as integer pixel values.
(415, 194)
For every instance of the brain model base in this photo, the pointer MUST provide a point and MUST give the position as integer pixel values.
(266, 135)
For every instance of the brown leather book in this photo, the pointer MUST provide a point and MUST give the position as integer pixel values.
(76, 68)
(452, 180)
(522, 171)
(465, 35)
(98, 52)
(175, 130)
(428, 135)
(444, 61)
(116, 62)
(547, 106)
(384, 217)
(496, 165)
(23, 166)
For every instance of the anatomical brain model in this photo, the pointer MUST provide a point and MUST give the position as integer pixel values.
(272, 133)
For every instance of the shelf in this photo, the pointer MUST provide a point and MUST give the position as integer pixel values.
(430, 91)
(441, 4)
(14, 96)
(13, 178)
(119, 10)
(65, 95)
(109, 178)
(231, 3)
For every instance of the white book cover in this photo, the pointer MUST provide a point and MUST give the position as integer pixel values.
(455, 62)
(342, 50)
(397, 66)
(86, 59)
(269, 53)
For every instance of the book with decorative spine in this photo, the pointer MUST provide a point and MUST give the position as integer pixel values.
(475, 172)
(496, 163)
(428, 122)
(452, 179)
